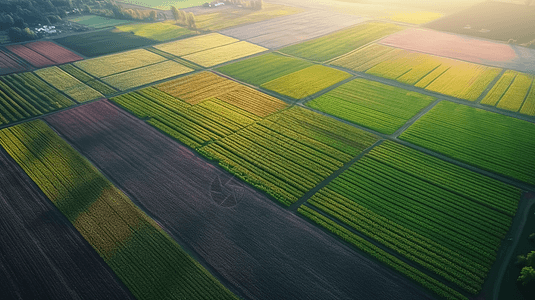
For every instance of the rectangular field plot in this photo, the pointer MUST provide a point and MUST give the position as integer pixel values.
(140, 253)
(306, 82)
(289, 152)
(9, 63)
(442, 75)
(196, 44)
(25, 95)
(98, 22)
(103, 42)
(219, 55)
(261, 69)
(514, 91)
(88, 79)
(145, 75)
(371, 104)
(338, 43)
(116, 63)
(41, 249)
(66, 83)
(156, 31)
(44, 53)
(442, 218)
(487, 140)
(287, 30)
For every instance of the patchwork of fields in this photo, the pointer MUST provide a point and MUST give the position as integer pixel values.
(443, 75)
(371, 104)
(287, 30)
(514, 91)
(322, 142)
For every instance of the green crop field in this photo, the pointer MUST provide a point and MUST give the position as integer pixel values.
(98, 22)
(142, 255)
(25, 95)
(261, 69)
(306, 82)
(514, 91)
(68, 84)
(484, 139)
(289, 152)
(441, 217)
(442, 75)
(156, 31)
(88, 79)
(336, 44)
(371, 104)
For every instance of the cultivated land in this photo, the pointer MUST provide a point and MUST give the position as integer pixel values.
(371, 104)
(464, 48)
(279, 253)
(336, 44)
(156, 31)
(68, 84)
(41, 249)
(43, 53)
(484, 139)
(10, 63)
(514, 91)
(432, 213)
(98, 22)
(446, 76)
(287, 30)
(128, 241)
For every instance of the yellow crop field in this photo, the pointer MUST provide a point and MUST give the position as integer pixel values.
(161, 31)
(365, 58)
(116, 63)
(146, 75)
(514, 97)
(306, 82)
(497, 91)
(196, 44)
(71, 86)
(196, 88)
(253, 101)
(216, 56)
(528, 108)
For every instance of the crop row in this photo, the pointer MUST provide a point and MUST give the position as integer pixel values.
(414, 206)
(142, 255)
(338, 43)
(9, 63)
(91, 81)
(371, 104)
(443, 75)
(514, 91)
(66, 83)
(25, 95)
(425, 280)
(484, 139)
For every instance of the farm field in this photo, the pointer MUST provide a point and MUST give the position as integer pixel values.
(120, 62)
(161, 31)
(43, 53)
(146, 75)
(371, 104)
(287, 30)
(98, 22)
(450, 77)
(480, 138)
(25, 95)
(231, 16)
(66, 83)
(41, 249)
(9, 63)
(223, 107)
(125, 238)
(261, 69)
(98, 43)
(254, 239)
(306, 82)
(88, 79)
(219, 55)
(464, 48)
(390, 194)
(494, 16)
(338, 43)
(196, 44)
(259, 154)
(514, 91)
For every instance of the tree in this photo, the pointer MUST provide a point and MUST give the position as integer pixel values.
(20, 35)
(527, 275)
(182, 17)
(153, 15)
(175, 12)
(191, 20)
